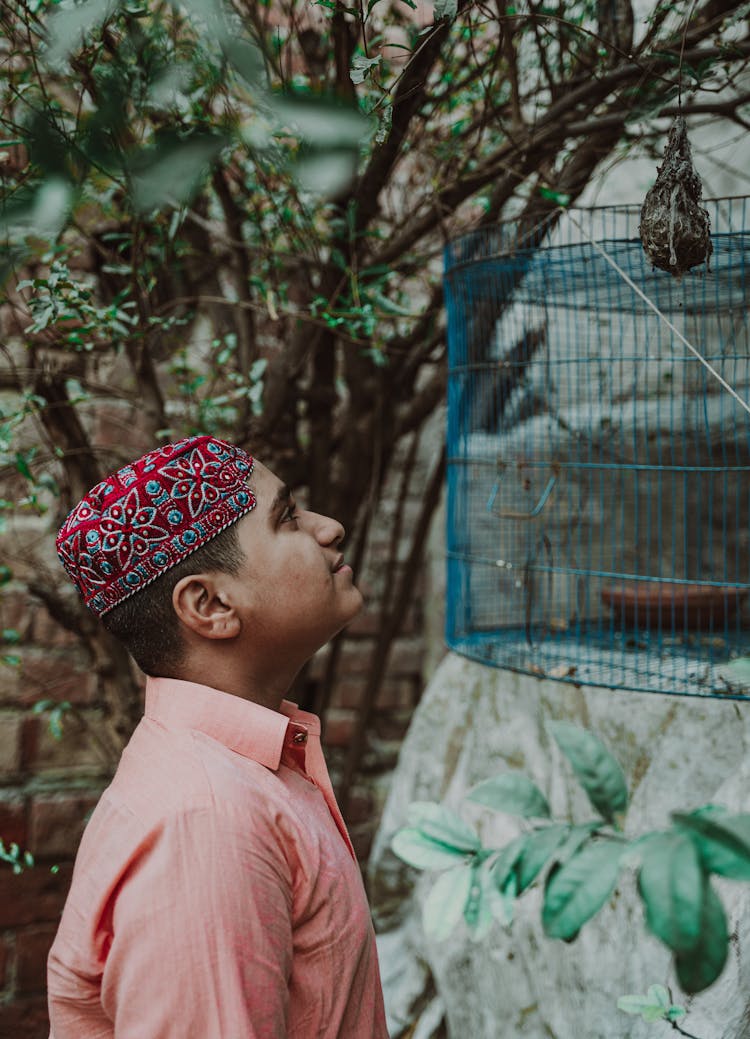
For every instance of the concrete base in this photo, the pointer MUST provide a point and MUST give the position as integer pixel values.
(474, 722)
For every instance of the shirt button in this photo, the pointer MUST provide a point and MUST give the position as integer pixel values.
(299, 737)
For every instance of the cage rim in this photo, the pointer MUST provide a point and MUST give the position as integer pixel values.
(452, 264)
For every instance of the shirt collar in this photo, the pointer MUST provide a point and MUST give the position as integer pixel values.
(254, 731)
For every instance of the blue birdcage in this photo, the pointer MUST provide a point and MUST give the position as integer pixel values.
(599, 472)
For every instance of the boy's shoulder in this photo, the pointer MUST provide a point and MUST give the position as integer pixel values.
(180, 779)
(167, 772)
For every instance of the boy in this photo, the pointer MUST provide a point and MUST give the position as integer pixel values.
(215, 893)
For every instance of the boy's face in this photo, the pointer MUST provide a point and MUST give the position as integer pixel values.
(294, 588)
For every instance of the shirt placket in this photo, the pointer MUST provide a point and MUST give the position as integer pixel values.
(295, 749)
(294, 755)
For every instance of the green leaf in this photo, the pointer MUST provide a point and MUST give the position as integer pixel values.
(211, 13)
(511, 792)
(702, 965)
(41, 212)
(445, 9)
(723, 841)
(597, 771)
(411, 845)
(637, 1004)
(539, 848)
(580, 888)
(483, 896)
(246, 59)
(500, 896)
(644, 1006)
(672, 886)
(560, 197)
(171, 171)
(503, 865)
(441, 824)
(22, 466)
(361, 67)
(325, 173)
(444, 905)
(659, 995)
(325, 123)
(67, 27)
(578, 836)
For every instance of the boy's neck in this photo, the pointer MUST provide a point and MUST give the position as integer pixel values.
(268, 691)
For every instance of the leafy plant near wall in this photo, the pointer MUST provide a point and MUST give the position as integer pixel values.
(655, 1005)
(579, 864)
(15, 858)
(228, 216)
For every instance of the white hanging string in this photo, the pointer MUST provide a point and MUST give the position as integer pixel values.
(658, 312)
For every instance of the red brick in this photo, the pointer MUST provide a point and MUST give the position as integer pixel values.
(406, 657)
(348, 692)
(57, 822)
(13, 820)
(360, 807)
(47, 632)
(392, 725)
(397, 694)
(356, 657)
(362, 837)
(11, 733)
(25, 1019)
(339, 727)
(367, 623)
(56, 676)
(17, 612)
(33, 897)
(32, 727)
(4, 958)
(74, 753)
(32, 947)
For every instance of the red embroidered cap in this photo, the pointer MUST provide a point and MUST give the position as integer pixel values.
(142, 520)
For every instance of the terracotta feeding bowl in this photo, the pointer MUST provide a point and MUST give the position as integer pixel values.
(668, 606)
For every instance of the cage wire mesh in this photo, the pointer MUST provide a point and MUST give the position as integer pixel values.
(598, 491)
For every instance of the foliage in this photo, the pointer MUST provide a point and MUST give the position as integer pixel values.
(18, 860)
(656, 1005)
(228, 216)
(56, 714)
(579, 865)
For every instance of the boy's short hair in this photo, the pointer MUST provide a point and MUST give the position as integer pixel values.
(146, 622)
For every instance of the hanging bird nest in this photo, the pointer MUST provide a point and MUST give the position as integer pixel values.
(675, 228)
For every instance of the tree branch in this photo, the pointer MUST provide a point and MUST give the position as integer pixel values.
(514, 161)
(391, 626)
(244, 320)
(409, 98)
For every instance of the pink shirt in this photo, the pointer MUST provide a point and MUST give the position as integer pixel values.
(215, 894)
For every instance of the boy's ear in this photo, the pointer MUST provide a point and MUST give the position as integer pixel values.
(202, 605)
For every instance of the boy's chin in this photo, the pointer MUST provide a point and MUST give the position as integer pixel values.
(358, 604)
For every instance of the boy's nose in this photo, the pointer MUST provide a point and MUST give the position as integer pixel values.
(327, 530)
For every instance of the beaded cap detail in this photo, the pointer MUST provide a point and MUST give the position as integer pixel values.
(150, 515)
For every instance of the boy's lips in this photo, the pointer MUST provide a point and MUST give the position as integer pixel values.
(340, 565)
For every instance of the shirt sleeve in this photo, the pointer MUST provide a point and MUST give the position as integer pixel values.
(201, 932)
